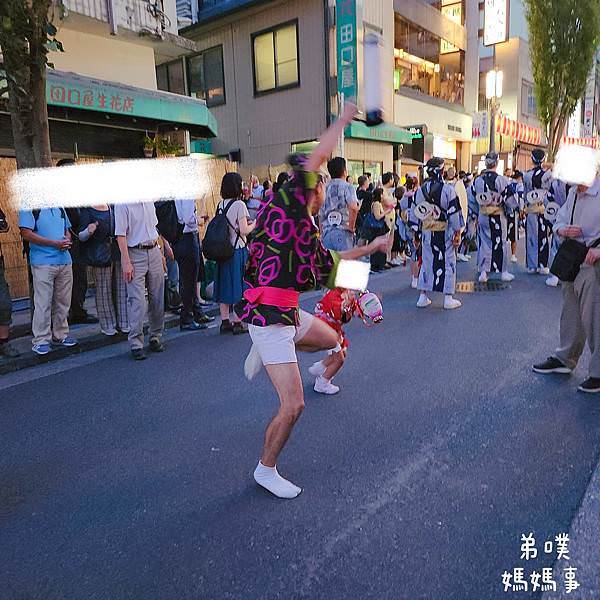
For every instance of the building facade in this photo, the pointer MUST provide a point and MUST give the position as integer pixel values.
(518, 128)
(102, 92)
(273, 73)
(102, 95)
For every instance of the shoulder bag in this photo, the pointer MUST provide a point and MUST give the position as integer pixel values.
(570, 255)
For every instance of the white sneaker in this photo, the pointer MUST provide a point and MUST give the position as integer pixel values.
(317, 369)
(109, 332)
(544, 271)
(414, 283)
(514, 259)
(483, 277)
(423, 301)
(322, 386)
(552, 281)
(253, 364)
(462, 258)
(532, 271)
(451, 303)
(468, 257)
(506, 276)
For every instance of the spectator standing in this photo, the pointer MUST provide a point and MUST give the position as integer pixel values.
(229, 277)
(46, 232)
(338, 214)
(389, 208)
(187, 254)
(77, 312)
(579, 219)
(255, 199)
(6, 349)
(267, 187)
(142, 266)
(378, 227)
(365, 199)
(99, 250)
(282, 178)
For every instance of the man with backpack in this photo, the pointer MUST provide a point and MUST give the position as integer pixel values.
(47, 241)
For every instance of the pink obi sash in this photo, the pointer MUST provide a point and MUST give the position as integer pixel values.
(272, 296)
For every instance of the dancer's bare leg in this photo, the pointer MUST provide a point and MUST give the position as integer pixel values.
(319, 337)
(335, 365)
(288, 384)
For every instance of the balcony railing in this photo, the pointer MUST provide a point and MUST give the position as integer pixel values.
(139, 16)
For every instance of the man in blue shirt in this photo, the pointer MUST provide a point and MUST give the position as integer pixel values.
(46, 232)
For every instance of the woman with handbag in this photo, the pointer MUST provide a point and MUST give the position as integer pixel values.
(100, 252)
(577, 265)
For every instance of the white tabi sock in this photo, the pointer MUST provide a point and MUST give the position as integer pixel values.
(271, 480)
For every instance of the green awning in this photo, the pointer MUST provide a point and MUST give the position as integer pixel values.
(386, 132)
(71, 90)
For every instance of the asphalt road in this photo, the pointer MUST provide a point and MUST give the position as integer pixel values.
(124, 480)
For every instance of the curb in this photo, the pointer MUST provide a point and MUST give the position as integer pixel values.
(93, 342)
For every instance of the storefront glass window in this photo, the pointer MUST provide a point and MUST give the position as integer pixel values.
(428, 64)
(356, 168)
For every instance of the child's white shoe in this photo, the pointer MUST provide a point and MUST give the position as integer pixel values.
(323, 386)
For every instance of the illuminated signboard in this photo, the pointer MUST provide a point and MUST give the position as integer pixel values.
(454, 13)
(495, 22)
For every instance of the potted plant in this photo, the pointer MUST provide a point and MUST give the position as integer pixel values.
(149, 146)
(168, 148)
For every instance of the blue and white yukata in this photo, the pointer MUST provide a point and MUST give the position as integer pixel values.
(537, 183)
(439, 216)
(491, 198)
(407, 228)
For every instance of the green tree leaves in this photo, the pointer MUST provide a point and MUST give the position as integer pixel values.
(563, 38)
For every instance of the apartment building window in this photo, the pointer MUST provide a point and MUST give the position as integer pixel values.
(170, 77)
(428, 64)
(528, 102)
(206, 76)
(275, 58)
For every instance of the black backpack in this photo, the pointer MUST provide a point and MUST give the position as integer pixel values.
(36, 215)
(168, 222)
(217, 244)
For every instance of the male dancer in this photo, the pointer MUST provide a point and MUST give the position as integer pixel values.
(286, 257)
(437, 209)
(537, 182)
(490, 198)
(513, 215)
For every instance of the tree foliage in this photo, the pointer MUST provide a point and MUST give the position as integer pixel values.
(26, 36)
(563, 38)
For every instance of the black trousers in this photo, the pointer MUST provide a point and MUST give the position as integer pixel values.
(187, 255)
(80, 283)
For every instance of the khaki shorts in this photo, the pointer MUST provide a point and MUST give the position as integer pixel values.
(276, 344)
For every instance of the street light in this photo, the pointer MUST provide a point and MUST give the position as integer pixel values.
(493, 92)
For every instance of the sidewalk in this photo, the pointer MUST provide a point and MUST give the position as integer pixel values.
(88, 336)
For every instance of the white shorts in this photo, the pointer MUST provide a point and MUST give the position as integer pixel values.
(276, 344)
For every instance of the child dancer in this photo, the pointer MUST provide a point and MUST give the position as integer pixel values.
(336, 308)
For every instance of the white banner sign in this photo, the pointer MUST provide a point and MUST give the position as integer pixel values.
(495, 22)
(480, 124)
